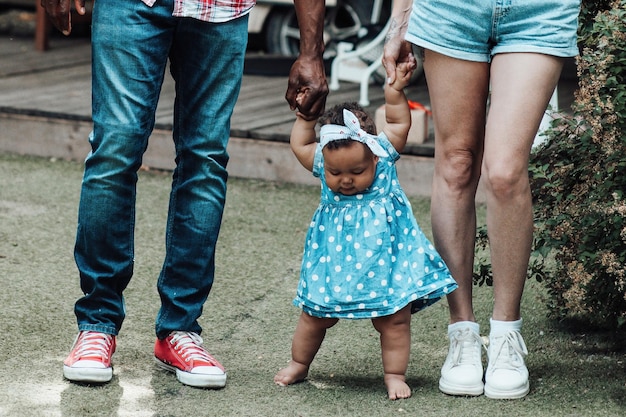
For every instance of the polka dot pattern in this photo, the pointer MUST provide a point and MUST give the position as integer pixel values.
(365, 255)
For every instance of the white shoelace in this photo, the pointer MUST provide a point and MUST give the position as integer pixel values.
(508, 351)
(189, 347)
(465, 347)
(94, 344)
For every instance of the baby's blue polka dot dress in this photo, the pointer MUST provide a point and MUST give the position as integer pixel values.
(365, 255)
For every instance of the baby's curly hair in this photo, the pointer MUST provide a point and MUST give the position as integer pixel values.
(335, 116)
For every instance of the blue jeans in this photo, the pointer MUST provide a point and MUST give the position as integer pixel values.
(131, 44)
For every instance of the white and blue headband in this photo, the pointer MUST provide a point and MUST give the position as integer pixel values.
(352, 130)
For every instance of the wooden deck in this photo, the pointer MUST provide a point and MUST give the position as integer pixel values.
(45, 110)
(56, 84)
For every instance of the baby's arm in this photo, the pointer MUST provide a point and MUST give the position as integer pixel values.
(397, 112)
(303, 141)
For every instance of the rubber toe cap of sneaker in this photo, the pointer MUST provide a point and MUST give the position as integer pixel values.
(463, 375)
(85, 363)
(207, 370)
(508, 379)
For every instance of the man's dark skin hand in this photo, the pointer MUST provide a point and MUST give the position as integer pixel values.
(59, 12)
(308, 88)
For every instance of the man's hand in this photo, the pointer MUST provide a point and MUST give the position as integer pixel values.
(59, 12)
(307, 88)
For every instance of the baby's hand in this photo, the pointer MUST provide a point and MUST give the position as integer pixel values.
(299, 100)
(404, 71)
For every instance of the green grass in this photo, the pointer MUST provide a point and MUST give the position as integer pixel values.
(248, 321)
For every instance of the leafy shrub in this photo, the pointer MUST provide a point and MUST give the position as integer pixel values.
(578, 178)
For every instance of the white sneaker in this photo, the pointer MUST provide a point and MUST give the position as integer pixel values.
(462, 372)
(507, 375)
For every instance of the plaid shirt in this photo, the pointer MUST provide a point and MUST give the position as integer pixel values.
(210, 10)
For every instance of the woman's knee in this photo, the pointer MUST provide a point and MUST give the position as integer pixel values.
(506, 182)
(459, 169)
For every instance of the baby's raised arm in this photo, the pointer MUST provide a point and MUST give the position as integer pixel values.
(303, 141)
(397, 112)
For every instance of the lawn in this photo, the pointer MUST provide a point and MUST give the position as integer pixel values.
(248, 320)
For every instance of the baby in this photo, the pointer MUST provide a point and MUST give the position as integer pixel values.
(365, 256)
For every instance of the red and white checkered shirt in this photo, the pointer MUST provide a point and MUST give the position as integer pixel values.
(210, 10)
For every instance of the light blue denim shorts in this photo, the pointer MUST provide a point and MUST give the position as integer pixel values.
(476, 30)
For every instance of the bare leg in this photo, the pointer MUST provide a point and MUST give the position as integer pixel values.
(307, 339)
(395, 343)
(470, 143)
(521, 86)
(458, 91)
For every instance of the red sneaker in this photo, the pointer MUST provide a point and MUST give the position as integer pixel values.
(183, 353)
(90, 358)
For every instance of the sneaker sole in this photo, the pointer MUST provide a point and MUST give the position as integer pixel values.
(461, 390)
(87, 374)
(194, 380)
(496, 394)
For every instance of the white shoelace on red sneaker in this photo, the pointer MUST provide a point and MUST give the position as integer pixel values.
(92, 345)
(189, 346)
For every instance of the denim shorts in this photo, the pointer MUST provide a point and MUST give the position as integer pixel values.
(476, 30)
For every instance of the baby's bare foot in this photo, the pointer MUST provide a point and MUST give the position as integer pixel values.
(397, 388)
(293, 373)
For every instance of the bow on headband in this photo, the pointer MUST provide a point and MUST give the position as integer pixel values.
(351, 130)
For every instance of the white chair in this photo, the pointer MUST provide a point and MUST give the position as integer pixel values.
(351, 64)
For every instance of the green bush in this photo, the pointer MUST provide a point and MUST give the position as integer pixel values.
(578, 178)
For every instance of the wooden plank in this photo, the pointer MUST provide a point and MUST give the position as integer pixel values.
(276, 133)
(57, 84)
(63, 90)
(20, 57)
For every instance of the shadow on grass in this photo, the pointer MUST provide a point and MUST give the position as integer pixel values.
(583, 361)
(91, 399)
(590, 339)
